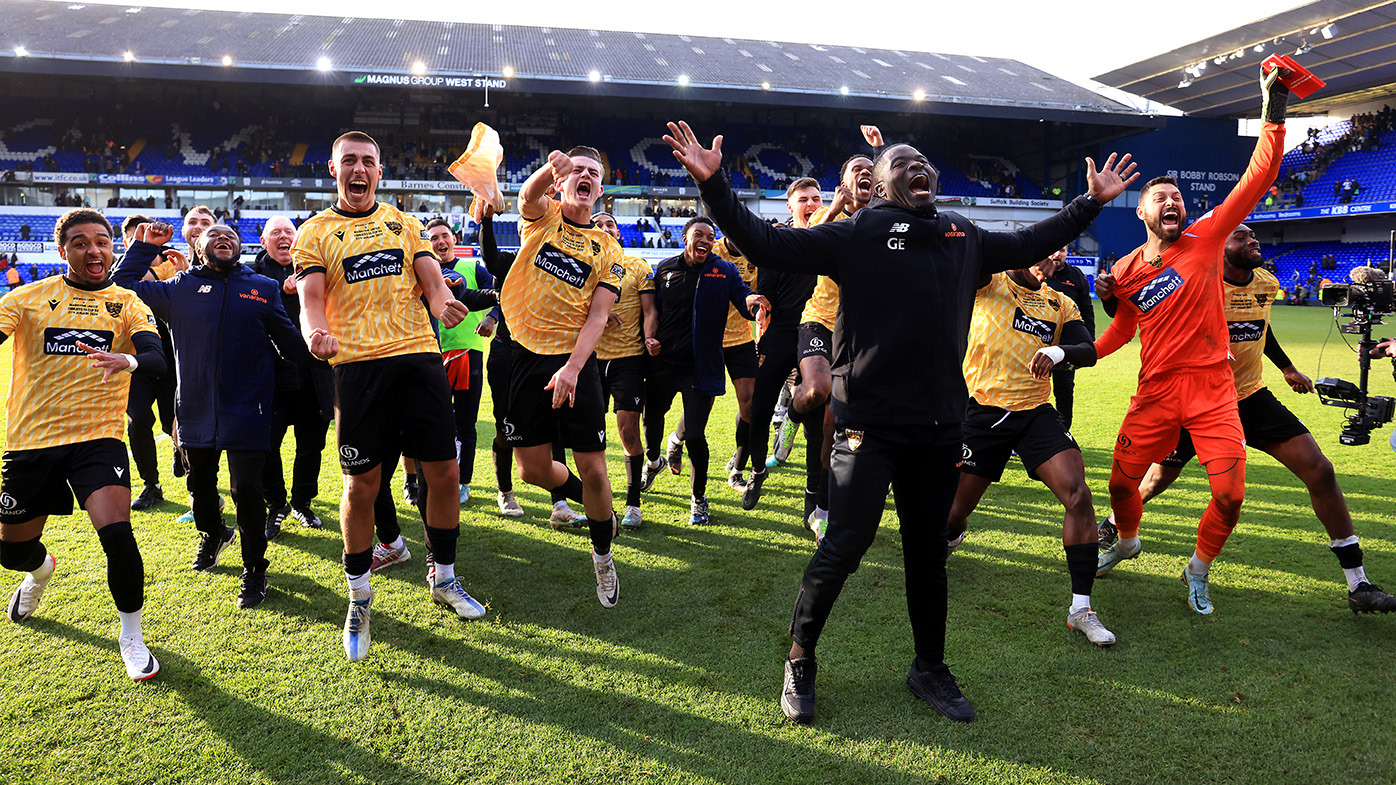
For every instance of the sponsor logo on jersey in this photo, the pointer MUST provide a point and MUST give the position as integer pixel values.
(114, 309)
(374, 264)
(1023, 323)
(570, 270)
(1156, 291)
(64, 340)
(954, 231)
(1246, 331)
(966, 456)
(616, 270)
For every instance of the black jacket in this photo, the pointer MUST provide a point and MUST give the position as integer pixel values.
(299, 378)
(907, 280)
(693, 316)
(1071, 282)
(222, 324)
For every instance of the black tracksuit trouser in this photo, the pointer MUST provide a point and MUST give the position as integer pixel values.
(918, 463)
(245, 482)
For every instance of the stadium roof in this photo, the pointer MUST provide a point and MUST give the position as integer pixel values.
(1350, 44)
(71, 37)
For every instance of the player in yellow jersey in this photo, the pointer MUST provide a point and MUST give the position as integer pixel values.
(64, 420)
(362, 268)
(556, 297)
(621, 358)
(816, 334)
(1020, 331)
(1268, 424)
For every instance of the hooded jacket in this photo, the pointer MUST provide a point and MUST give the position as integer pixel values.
(221, 324)
(907, 279)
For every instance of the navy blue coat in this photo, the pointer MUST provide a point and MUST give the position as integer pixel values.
(221, 324)
(719, 283)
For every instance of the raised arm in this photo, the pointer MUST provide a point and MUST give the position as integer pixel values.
(130, 274)
(791, 250)
(1015, 250)
(1265, 159)
(533, 197)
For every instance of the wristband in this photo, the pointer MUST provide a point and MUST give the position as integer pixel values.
(1054, 353)
(133, 364)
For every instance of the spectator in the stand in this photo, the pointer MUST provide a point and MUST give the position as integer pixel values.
(24, 231)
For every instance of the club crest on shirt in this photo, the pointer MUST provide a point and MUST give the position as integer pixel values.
(855, 439)
(114, 309)
(394, 227)
(1261, 297)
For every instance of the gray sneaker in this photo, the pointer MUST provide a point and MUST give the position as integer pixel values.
(1113, 555)
(1199, 598)
(1088, 624)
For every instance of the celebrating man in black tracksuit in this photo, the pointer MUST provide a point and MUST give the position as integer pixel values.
(907, 275)
(222, 317)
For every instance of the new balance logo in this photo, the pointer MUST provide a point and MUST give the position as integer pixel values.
(205, 289)
(376, 264)
(60, 340)
(900, 227)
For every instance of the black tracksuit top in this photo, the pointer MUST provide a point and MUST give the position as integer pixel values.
(907, 280)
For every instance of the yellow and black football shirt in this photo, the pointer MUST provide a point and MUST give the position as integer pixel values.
(822, 307)
(1010, 324)
(56, 396)
(627, 339)
(1247, 317)
(372, 297)
(547, 295)
(738, 326)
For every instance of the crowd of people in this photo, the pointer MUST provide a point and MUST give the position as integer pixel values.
(364, 316)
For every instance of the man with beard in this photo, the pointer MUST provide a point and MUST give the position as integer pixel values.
(557, 296)
(1170, 290)
(223, 317)
(621, 359)
(900, 404)
(816, 340)
(63, 422)
(362, 268)
(1020, 332)
(787, 293)
(694, 291)
(304, 396)
(1071, 282)
(1268, 424)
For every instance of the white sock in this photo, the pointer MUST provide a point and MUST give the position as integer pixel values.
(398, 544)
(1355, 576)
(1198, 567)
(1129, 543)
(130, 624)
(600, 559)
(445, 573)
(45, 570)
(357, 582)
(1080, 602)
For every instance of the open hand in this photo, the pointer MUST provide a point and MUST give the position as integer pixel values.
(109, 362)
(871, 134)
(1110, 181)
(701, 162)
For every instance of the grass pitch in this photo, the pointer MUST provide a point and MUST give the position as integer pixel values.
(679, 682)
